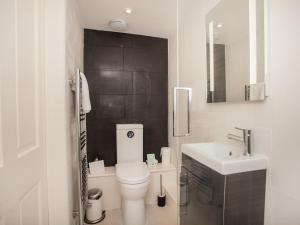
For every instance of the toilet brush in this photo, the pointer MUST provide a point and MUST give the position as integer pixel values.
(161, 198)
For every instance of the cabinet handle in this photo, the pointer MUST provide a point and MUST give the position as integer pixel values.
(184, 184)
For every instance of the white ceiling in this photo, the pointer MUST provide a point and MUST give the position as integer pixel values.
(149, 17)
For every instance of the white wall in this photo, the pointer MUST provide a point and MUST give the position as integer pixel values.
(275, 122)
(74, 60)
(172, 82)
(63, 53)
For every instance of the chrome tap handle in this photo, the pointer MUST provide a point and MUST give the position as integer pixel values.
(247, 139)
(244, 132)
(241, 129)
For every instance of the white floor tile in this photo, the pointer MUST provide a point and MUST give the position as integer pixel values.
(155, 216)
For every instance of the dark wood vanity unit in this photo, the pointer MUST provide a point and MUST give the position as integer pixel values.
(210, 198)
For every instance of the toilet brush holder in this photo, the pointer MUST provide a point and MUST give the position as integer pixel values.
(161, 198)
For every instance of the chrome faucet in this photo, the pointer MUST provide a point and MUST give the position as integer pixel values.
(246, 139)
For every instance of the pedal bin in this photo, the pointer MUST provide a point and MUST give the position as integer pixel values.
(94, 212)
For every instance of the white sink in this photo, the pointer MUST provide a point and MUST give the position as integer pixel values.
(224, 158)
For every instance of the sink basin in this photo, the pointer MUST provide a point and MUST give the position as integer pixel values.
(223, 158)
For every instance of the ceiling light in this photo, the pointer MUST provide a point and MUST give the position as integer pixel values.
(219, 25)
(118, 25)
(128, 11)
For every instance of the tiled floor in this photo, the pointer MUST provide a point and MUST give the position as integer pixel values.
(155, 216)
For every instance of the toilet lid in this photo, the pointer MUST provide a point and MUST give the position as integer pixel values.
(132, 173)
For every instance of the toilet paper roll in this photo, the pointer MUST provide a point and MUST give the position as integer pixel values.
(165, 153)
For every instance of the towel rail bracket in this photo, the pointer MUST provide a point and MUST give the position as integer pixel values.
(72, 83)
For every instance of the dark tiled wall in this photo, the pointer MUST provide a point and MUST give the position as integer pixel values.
(128, 79)
(220, 74)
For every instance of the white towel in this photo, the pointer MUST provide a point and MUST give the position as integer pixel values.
(85, 100)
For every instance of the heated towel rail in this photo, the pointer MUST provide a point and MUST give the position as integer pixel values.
(80, 164)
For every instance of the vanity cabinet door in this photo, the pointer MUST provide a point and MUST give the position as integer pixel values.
(199, 201)
(245, 198)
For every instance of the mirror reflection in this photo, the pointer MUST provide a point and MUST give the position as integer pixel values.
(236, 51)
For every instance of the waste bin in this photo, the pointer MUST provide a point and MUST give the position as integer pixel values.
(94, 211)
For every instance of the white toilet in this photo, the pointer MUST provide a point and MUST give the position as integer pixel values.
(132, 173)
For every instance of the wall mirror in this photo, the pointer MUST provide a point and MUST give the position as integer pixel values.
(236, 51)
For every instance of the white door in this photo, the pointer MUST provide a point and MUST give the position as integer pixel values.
(22, 146)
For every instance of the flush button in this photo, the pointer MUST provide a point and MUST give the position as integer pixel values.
(130, 134)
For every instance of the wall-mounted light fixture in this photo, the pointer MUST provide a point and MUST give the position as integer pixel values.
(253, 42)
(211, 57)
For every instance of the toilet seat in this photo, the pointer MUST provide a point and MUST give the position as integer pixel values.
(132, 173)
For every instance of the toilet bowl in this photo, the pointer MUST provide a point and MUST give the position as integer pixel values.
(133, 181)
